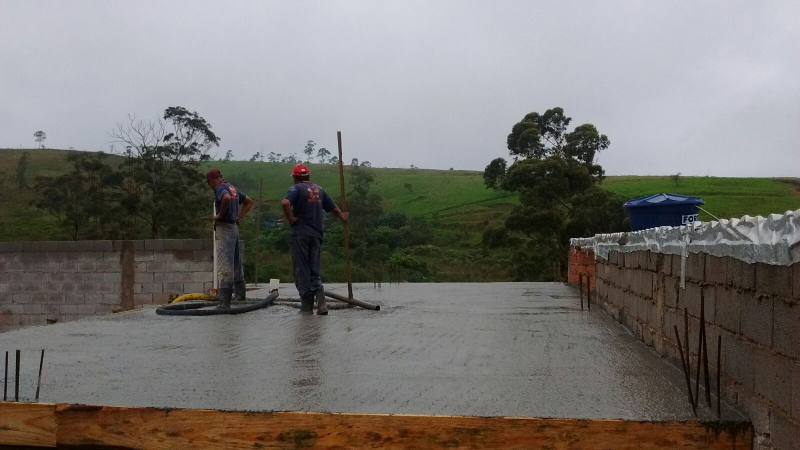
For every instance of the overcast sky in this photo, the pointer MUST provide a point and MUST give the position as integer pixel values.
(702, 88)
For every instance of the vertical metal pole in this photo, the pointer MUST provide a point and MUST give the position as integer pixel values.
(258, 228)
(719, 376)
(686, 341)
(39, 381)
(16, 380)
(5, 380)
(580, 288)
(344, 209)
(705, 366)
(214, 246)
(588, 292)
(699, 349)
(685, 370)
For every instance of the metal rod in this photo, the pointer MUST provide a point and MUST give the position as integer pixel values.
(214, 245)
(39, 381)
(344, 209)
(719, 376)
(258, 228)
(685, 370)
(699, 350)
(686, 339)
(352, 301)
(580, 288)
(588, 292)
(705, 366)
(5, 380)
(16, 380)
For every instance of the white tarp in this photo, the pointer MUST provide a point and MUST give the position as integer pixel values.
(771, 240)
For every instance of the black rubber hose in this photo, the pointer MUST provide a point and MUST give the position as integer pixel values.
(196, 309)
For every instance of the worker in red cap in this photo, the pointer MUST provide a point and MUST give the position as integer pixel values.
(230, 206)
(303, 207)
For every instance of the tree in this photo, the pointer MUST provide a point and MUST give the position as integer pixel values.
(557, 180)
(323, 154)
(161, 170)
(228, 155)
(366, 164)
(309, 150)
(22, 170)
(272, 157)
(494, 173)
(354, 162)
(334, 160)
(39, 137)
(257, 157)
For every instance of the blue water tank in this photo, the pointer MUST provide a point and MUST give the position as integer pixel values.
(660, 210)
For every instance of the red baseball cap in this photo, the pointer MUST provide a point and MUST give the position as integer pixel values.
(213, 174)
(300, 170)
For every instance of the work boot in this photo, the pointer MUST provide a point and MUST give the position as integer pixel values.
(307, 305)
(239, 291)
(224, 299)
(322, 308)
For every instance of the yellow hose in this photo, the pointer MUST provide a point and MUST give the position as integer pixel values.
(186, 297)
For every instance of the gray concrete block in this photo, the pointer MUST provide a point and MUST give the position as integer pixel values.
(653, 260)
(716, 269)
(150, 288)
(757, 315)
(161, 299)
(84, 246)
(710, 302)
(86, 309)
(208, 285)
(103, 246)
(690, 298)
(189, 288)
(153, 244)
(93, 297)
(786, 329)
(32, 308)
(38, 319)
(68, 309)
(103, 309)
(202, 255)
(163, 277)
(143, 256)
(111, 299)
(22, 297)
(156, 266)
(696, 267)
(208, 244)
(774, 280)
(729, 308)
(86, 266)
(193, 244)
(739, 361)
(784, 435)
(741, 274)
(173, 244)
(112, 277)
(73, 298)
(174, 288)
(772, 378)
(68, 266)
(176, 266)
(143, 299)
(67, 246)
(613, 257)
(164, 256)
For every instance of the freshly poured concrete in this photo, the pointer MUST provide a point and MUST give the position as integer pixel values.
(499, 349)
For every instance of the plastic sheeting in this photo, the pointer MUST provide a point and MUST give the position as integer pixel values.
(771, 240)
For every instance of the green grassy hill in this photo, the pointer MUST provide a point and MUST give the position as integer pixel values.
(455, 202)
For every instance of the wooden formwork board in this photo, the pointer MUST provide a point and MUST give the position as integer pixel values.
(50, 425)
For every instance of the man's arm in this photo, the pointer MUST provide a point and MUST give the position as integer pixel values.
(343, 216)
(287, 211)
(248, 203)
(223, 206)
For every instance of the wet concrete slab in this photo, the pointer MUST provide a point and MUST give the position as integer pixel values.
(494, 349)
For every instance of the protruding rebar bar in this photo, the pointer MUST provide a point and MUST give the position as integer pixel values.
(699, 350)
(685, 371)
(39, 381)
(5, 380)
(588, 292)
(16, 380)
(719, 376)
(580, 288)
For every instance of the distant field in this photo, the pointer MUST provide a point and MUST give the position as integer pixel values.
(456, 198)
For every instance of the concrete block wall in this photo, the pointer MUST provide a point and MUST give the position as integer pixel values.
(755, 308)
(49, 282)
(581, 263)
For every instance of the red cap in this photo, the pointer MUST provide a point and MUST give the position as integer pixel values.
(213, 174)
(300, 170)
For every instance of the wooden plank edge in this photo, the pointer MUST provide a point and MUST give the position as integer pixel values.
(27, 424)
(89, 426)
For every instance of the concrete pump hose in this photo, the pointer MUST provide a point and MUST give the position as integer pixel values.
(196, 309)
(187, 297)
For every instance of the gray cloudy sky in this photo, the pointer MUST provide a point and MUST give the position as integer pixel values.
(704, 88)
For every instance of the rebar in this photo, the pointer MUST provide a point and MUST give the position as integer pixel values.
(719, 376)
(39, 381)
(685, 371)
(16, 380)
(580, 288)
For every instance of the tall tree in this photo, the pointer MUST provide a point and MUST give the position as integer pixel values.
(309, 150)
(39, 137)
(228, 155)
(323, 155)
(556, 177)
(163, 164)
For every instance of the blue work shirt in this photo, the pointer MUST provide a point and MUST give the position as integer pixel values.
(237, 198)
(308, 203)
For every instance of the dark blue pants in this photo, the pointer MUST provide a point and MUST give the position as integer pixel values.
(305, 260)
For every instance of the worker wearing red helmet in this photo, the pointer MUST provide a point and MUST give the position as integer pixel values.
(304, 207)
(230, 206)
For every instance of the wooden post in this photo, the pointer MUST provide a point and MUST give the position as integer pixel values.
(343, 207)
(258, 228)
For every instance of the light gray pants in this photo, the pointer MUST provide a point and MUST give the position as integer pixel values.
(229, 260)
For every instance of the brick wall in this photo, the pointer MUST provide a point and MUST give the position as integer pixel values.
(48, 282)
(754, 307)
(581, 263)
